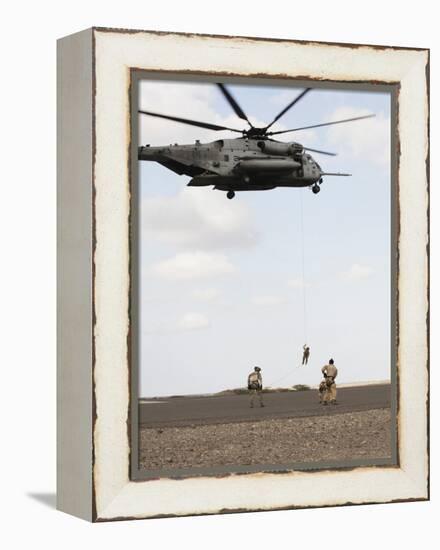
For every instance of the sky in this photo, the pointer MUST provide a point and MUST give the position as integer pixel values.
(221, 281)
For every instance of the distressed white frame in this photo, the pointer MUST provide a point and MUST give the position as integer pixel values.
(113, 494)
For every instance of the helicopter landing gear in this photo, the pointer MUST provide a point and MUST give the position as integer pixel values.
(230, 194)
(316, 189)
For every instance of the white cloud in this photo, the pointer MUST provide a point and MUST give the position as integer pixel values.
(196, 101)
(297, 282)
(284, 97)
(368, 139)
(193, 321)
(188, 321)
(267, 300)
(193, 265)
(206, 294)
(357, 272)
(186, 100)
(198, 218)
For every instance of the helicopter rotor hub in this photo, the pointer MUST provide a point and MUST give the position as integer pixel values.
(256, 133)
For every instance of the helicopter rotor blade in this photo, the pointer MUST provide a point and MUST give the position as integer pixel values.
(290, 105)
(233, 103)
(320, 152)
(322, 124)
(206, 125)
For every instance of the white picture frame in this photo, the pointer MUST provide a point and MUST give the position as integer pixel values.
(94, 285)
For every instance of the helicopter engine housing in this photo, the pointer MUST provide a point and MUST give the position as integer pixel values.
(267, 165)
(280, 149)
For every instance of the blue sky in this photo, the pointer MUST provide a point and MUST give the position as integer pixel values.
(221, 281)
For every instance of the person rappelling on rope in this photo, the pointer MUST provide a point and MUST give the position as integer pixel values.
(306, 354)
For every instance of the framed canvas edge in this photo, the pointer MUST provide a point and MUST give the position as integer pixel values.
(74, 275)
(103, 516)
(255, 38)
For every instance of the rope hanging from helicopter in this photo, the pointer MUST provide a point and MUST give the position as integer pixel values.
(303, 269)
(281, 379)
(303, 284)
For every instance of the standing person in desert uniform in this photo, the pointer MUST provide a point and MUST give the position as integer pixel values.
(255, 386)
(330, 373)
(306, 354)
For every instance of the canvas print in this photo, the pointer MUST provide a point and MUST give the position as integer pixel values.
(265, 279)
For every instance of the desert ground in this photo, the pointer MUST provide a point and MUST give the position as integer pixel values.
(220, 431)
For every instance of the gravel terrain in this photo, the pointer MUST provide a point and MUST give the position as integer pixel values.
(345, 436)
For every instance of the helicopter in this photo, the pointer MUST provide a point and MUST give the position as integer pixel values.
(253, 162)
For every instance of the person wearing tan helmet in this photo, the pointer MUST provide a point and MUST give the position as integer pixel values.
(255, 386)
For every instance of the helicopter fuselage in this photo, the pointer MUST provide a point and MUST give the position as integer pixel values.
(240, 164)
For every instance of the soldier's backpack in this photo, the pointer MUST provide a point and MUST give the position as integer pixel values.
(329, 381)
(254, 383)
